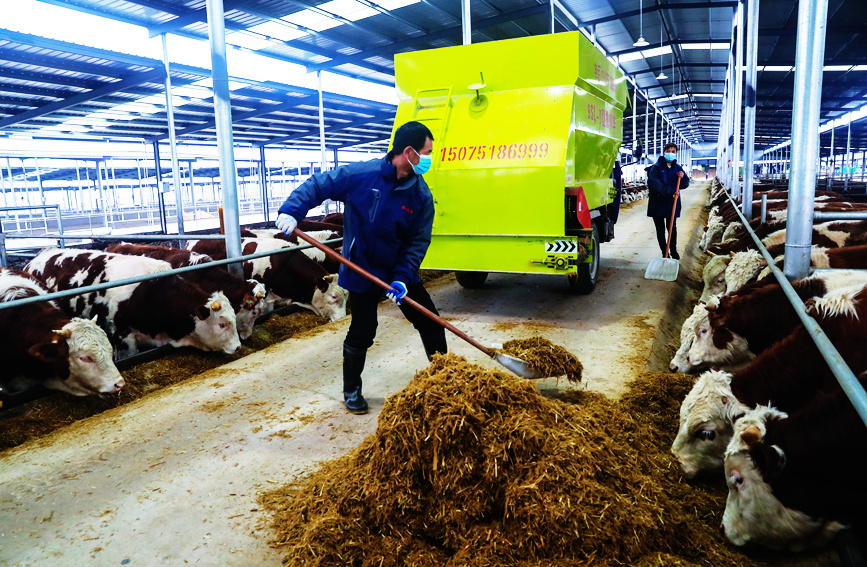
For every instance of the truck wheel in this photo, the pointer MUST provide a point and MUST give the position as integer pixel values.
(471, 280)
(584, 281)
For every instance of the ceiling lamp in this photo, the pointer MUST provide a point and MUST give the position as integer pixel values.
(641, 41)
(662, 74)
(678, 109)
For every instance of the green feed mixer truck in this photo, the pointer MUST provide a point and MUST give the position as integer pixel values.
(526, 133)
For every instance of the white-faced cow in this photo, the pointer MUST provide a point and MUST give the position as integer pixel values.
(796, 479)
(331, 266)
(245, 296)
(728, 273)
(167, 310)
(741, 325)
(289, 276)
(680, 362)
(787, 375)
(41, 344)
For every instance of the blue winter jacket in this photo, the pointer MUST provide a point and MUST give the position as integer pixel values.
(386, 225)
(661, 184)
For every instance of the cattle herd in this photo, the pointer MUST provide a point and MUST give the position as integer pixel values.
(71, 344)
(766, 409)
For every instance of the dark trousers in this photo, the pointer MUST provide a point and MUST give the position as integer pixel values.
(362, 328)
(661, 228)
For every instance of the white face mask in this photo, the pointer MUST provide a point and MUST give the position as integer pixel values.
(424, 163)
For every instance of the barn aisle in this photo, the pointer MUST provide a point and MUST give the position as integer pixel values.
(173, 478)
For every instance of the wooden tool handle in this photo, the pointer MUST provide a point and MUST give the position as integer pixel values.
(411, 302)
(673, 209)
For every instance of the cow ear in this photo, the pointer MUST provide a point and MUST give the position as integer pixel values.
(770, 460)
(46, 352)
(249, 300)
(202, 312)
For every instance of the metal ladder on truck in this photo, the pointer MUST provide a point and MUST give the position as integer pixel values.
(433, 113)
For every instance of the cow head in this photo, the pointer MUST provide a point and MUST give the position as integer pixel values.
(330, 302)
(216, 326)
(753, 514)
(680, 362)
(714, 276)
(706, 418)
(743, 268)
(82, 358)
(714, 344)
(251, 308)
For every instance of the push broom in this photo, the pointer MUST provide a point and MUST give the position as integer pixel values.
(666, 268)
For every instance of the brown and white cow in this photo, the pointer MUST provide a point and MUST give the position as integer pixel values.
(728, 273)
(788, 375)
(289, 276)
(40, 343)
(332, 266)
(245, 296)
(680, 362)
(739, 326)
(168, 310)
(796, 479)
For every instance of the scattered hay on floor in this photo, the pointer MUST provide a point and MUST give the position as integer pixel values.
(473, 467)
(546, 357)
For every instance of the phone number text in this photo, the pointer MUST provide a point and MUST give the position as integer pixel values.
(495, 152)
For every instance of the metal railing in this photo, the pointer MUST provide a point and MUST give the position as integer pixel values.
(147, 277)
(43, 208)
(850, 384)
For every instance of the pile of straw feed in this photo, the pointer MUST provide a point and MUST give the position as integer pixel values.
(546, 357)
(471, 466)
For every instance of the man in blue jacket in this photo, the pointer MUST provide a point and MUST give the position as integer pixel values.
(387, 230)
(661, 184)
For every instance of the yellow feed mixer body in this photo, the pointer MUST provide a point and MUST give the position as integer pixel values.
(526, 134)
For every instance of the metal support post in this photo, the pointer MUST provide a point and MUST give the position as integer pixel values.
(193, 189)
(634, 134)
(466, 23)
(158, 174)
(752, 54)
(809, 59)
(739, 86)
(176, 172)
(322, 159)
(101, 195)
(646, 122)
(225, 143)
(3, 262)
(59, 227)
(551, 23)
(263, 182)
(831, 158)
(847, 164)
(656, 146)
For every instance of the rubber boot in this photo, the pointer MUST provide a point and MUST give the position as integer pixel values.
(353, 365)
(434, 343)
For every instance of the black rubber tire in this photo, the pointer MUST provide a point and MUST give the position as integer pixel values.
(585, 280)
(471, 280)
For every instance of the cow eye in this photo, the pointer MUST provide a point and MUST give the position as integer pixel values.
(737, 481)
(721, 280)
(703, 330)
(706, 434)
(86, 359)
(223, 325)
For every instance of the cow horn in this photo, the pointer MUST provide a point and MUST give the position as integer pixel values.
(95, 317)
(732, 253)
(65, 333)
(260, 294)
(215, 306)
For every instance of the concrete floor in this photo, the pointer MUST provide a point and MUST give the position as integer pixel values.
(173, 478)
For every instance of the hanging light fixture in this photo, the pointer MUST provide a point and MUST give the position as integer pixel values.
(679, 85)
(662, 74)
(641, 41)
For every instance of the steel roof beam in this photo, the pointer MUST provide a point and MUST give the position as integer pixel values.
(657, 8)
(390, 49)
(315, 131)
(192, 17)
(146, 77)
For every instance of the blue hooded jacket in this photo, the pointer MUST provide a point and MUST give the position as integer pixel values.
(661, 184)
(386, 225)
